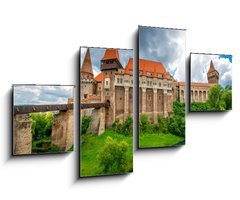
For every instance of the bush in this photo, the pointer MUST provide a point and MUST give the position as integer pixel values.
(179, 108)
(199, 106)
(176, 125)
(113, 156)
(143, 123)
(162, 124)
(126, 128)
(85, 124)
(227, 98)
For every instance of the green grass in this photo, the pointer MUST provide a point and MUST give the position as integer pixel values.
(159, 140)
(92, 144)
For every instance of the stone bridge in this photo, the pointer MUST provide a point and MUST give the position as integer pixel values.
(98, 116)
(62, 127)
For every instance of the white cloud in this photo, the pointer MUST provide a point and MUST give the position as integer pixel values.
(200, 64)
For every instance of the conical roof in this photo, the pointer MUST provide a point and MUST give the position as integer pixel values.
(211, 68)
(87, 63)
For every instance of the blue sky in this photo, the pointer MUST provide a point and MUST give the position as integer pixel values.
(40, 95)
(166, 46)
(200, 64)
(98, 53)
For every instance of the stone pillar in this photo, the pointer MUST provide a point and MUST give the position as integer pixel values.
(62, 130)
(22, 135)
(144, 100)
(165, 103)
(101, 128)
(155, 106)
(126, 103)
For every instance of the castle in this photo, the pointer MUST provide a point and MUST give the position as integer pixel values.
(114, 84)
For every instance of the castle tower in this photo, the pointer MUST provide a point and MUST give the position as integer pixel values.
(110, 64)
(212, 75)
(86, 70)
(88, 84)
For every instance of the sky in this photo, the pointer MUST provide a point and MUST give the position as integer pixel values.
(166, 46)
(98, 53)
(40, 95)
(200, 64)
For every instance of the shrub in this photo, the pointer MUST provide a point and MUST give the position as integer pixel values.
(113, 156)
(176, 125)
(162, 124)
(143, 122)
(126, 128)
(227, 98)
(85, 124)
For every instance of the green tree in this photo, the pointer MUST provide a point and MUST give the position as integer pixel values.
(227, 98)
(179, 108)
(41, 125)
(113, 156)
(85, 124)
(214, 98)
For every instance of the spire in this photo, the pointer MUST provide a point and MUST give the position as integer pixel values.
(211, 68)
(87, 65)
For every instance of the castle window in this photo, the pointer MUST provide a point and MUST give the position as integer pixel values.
(150, 83)
(149, 97)
(85, 96)
(106, 82)
(121, 80)
(131, 81)
(147, 83)
(160, 84)
(160, 75)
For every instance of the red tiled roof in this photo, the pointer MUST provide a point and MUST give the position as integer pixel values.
(99, 77)
(147, 66)
(151, 66)
(111, 54)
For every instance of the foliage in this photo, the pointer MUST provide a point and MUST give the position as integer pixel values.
(162, 124)
(53, 149)
(220, 98)
(126, 128)
(143, 122)
(41, 125)
(176, 125)
(179, 108)
(94, 144)
(70, 149)
(227, 98)
(199, 106)
(85, 124)
(214, 97)
(113, 157)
